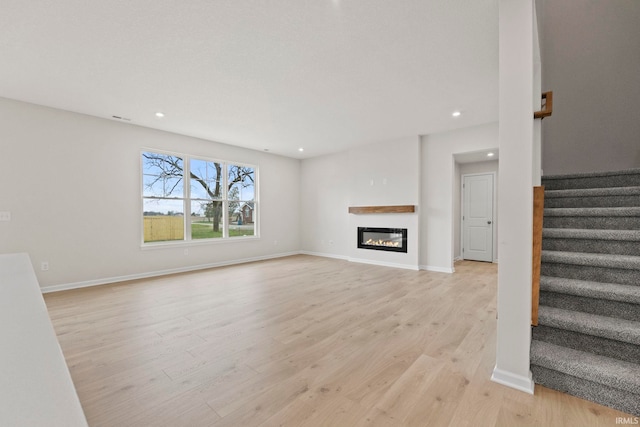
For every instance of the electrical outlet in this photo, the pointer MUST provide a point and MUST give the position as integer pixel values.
(5, 216)
(275, 243)
(44, 266)
(186, 251)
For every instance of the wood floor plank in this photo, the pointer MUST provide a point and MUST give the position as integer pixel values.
(300, 341)
(409, 389)
(338, 411)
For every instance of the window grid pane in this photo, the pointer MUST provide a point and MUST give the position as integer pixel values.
(163, 220)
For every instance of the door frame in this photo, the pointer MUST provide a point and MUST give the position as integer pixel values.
(494, 233)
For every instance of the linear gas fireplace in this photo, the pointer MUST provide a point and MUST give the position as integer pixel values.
(383, 239)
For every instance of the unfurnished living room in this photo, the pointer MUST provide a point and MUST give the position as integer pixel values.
(327, 213)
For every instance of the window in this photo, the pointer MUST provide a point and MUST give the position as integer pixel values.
(188, 199)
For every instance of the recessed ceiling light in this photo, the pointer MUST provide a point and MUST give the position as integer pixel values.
(159, 114)
(490, 154)
(456, 114)
(301, 149)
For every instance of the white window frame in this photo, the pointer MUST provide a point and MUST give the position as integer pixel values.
(186, 201)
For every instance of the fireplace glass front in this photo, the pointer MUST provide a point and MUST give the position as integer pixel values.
(383, 239)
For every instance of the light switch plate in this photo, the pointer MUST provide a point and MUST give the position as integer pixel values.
(5, 216)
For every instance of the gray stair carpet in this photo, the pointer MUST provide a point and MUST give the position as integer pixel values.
(620, 242)
(623, 178)
(596, 290)
(599, 326)
(611, 218)
(593, 197)
(588, 340)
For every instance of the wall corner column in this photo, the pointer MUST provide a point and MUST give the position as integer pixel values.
(516, 140)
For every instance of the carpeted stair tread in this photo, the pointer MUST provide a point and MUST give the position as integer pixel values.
(589, 343)
(626, 262)
(592, 192)
(623, 178)
(600, 326)
(604, 241)
(631, 211)
(605, 395)
(595, 306)
(591, 367)
(584, 288)
(602, 174)
(580, 233)
(587, 272)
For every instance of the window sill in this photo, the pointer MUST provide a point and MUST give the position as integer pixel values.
(194, 243)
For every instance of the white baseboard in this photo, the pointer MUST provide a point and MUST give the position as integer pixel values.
(325, 255)
(509, 379)
(108, 280)
(458, 258)
(385, 264)
(437, 269)
(495, 261)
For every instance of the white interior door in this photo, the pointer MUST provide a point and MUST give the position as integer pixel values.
(477, 218)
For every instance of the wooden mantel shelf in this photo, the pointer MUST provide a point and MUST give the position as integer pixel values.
(381, 209)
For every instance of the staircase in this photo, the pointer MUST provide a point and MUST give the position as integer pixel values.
(588, 340)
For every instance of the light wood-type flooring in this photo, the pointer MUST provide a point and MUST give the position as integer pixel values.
(299, 341)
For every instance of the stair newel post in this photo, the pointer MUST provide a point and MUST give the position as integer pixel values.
(538, 213)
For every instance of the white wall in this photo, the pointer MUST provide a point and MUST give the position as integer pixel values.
(325, 184)
(591, 61)
(72, 185)
(473, 168)
(439, 189)
(385, 173)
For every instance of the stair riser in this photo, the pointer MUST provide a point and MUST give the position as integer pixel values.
(613, 247)
(592, 182)
(597, 274)
(593, 223)
(608, 396)
(588, 343)
(601, 307)
(592, 202)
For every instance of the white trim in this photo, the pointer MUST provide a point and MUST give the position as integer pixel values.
(325, 255)
(512, 380)
(458, 258)
(109, 280)
(384, 264)
(197, 242)
(495, 261)
(437, 269)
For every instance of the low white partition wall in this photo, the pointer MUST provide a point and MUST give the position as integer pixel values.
(35, 385)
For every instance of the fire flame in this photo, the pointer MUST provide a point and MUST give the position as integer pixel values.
(381, 242)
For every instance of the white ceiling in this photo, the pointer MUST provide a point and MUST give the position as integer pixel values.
(278, 75)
